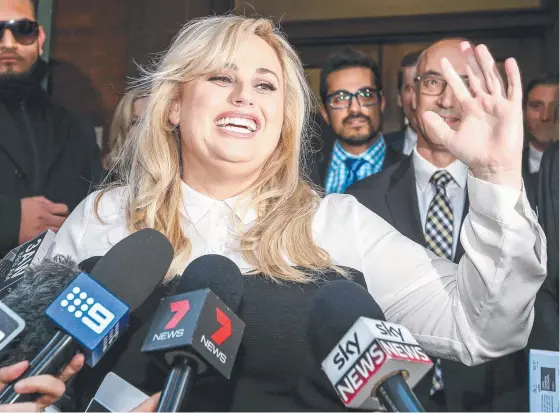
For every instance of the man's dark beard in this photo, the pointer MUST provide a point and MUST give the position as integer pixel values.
(354, 141)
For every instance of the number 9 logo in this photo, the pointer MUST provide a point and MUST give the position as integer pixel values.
(99, 318)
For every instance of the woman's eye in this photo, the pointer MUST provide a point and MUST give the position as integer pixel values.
(266, 87)
(221, 79)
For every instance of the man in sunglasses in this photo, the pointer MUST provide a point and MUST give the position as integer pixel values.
(48, 157)
(425, 198)
(352, 106)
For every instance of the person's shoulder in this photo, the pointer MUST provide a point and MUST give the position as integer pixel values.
(337, 204)
(373, 183)
(107, 205)
(396, 135)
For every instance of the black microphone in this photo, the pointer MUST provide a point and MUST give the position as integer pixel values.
(362, 354)
(88, 264)
(88, 315)
(198, 327)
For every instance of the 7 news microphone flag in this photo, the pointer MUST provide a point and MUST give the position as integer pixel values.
(198, 328)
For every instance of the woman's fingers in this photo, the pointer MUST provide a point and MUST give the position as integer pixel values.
(10, 373)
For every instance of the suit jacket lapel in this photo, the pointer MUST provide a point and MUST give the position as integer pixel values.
(391, 157)
(402, 202)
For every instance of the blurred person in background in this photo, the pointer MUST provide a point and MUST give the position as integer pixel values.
(404, 141)
(352, 106)
(127, 113)
(541, 121)
(48, 157)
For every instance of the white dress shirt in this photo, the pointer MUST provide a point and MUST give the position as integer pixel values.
(535, 157)
(479, 309)
(410, 140)
(456, 190)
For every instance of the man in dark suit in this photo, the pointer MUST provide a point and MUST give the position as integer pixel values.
(425, 198)
(404, 140)
(541, 121)
(48, 156)
(544, 335)
(352, 107)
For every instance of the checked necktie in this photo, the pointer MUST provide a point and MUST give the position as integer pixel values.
(439, 237)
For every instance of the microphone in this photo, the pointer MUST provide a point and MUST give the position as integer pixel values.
(363, 355)
(17, 261)
(88, 264)
(88, 315)
(11, 325)
(36, 290)
(198, 327)
(116, 395)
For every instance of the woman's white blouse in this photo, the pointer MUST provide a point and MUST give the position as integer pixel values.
(481, 308)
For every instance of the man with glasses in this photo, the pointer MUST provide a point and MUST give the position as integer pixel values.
(352, 105)
(404, 140)
(425, 198)
(48, 157)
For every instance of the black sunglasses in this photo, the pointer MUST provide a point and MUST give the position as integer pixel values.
(25, 31)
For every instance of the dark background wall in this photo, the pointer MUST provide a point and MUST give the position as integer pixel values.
(96, 44)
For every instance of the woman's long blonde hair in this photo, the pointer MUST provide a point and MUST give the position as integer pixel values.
(120, 126)
(150, 166)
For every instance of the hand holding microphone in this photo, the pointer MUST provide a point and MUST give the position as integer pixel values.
(51, 388)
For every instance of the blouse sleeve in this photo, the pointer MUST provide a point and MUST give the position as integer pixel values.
(481, 308)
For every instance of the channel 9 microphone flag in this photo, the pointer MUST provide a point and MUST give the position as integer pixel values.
(94, 315)
(14, 264)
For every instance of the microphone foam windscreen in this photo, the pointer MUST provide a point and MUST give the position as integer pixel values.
(133, 268)
(335, 308)
(39, 287)
(218, 273)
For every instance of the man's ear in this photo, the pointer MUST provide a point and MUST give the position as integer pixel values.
(324, 114)
(41, 39)
(382, 105)
(414, 100)
(175, 113)
(399, 101)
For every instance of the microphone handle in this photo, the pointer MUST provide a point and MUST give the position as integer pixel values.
(396, 396)
(177, 384)
(48, 361)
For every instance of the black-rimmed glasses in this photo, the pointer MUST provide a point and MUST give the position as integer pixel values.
(25, 31)
(433, 85)
(342, 99)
